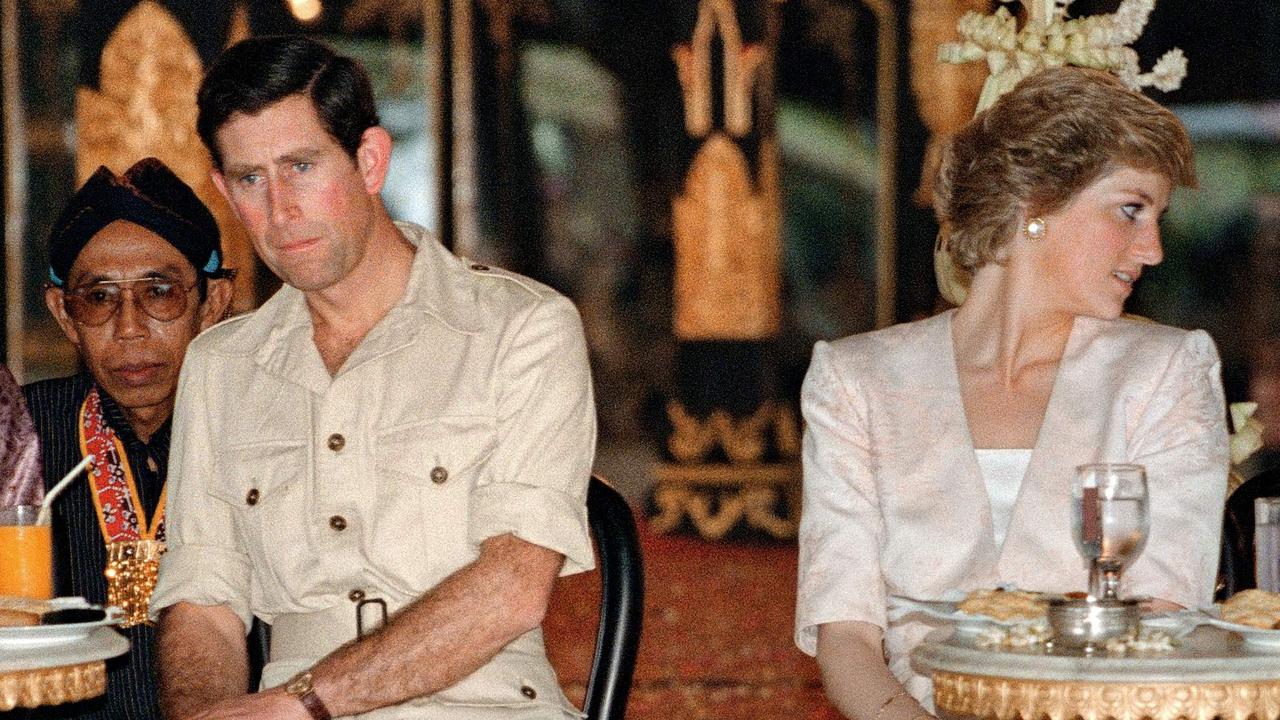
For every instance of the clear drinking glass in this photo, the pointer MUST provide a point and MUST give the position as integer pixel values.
(1266, 543)
(1109, 503)
(26, 553)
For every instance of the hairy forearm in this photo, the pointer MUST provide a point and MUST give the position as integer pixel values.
(445, 635)
(856, 678)
(202, 658)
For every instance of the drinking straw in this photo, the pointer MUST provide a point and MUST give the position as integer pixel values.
(45, 507)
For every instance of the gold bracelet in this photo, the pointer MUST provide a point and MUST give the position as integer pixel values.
(880, 711)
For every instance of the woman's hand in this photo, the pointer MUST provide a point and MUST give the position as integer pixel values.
(857, 680)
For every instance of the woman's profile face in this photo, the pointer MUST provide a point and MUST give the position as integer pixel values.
(1097, 246)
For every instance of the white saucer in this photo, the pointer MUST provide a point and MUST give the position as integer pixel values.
(39, 635)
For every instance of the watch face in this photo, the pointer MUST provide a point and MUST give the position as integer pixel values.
(299, 684)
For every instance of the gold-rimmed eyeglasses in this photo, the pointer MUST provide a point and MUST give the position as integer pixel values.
(161, 298)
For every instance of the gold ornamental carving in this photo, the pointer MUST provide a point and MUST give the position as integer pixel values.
(727, 276)
(716, 497)
(762, 496)
(1008, 699)
(727, 236)
(52, 686)
(741, 63)
(945, 94)
(146, 106)
(743, 441)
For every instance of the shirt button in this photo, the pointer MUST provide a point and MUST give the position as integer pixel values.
(337, 442)
(439, 475)
(355, 595)
(337, 522)
(479, 268)
(252, 497)
(528, 692)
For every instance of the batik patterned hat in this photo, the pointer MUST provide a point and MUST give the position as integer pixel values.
(148, 194)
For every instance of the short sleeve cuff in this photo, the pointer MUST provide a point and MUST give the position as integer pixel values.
(807, 640)
(539, 515)
(807, 626)
(203, 575)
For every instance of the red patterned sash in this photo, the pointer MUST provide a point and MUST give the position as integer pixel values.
(133, 546)
(115, 494)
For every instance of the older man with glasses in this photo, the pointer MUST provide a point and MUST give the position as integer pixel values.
(135, 273)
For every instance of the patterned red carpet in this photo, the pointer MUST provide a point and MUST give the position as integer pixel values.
(717, 634)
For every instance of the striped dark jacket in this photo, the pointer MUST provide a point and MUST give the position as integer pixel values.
(79, 553)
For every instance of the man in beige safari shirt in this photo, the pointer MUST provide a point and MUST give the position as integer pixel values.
(394, 429)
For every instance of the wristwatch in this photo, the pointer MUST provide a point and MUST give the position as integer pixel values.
(300, 687)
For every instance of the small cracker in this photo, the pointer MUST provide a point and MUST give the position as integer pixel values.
(1004, 604)
(1255, 608)
(14, 618)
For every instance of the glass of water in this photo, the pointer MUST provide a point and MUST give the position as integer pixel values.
(1109, 507)
(1266, 543)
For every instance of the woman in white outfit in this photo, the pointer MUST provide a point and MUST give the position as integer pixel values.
(939, 455)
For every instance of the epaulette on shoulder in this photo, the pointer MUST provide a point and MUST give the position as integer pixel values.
(227, 325)
(482, 270)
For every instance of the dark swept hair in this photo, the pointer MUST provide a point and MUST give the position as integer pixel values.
(260, 71)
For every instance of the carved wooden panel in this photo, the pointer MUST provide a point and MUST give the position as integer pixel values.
(146, 106)
(741, 68)
(727, 280)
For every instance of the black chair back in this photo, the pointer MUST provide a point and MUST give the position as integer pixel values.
(613, 528)
(1235, 567)
(258, 643)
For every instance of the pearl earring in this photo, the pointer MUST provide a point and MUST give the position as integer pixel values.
(1035, 229)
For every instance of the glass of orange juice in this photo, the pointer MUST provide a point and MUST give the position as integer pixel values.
(26, 553)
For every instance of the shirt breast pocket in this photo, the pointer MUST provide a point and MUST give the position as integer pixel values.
(427, 471)
(266, 486)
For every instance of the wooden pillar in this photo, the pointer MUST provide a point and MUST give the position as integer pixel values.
(15, 187)
(733, 443)
(437, 20)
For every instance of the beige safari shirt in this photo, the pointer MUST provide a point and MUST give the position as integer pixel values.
(465, 413)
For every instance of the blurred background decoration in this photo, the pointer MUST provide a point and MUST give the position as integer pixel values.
(716, 183)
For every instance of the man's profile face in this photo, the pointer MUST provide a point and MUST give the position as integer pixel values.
(133, 356)
(308, 206)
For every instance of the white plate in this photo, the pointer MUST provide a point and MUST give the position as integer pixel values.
(965, 623)
(1251, 635)
(1175, 623)
(28, 635)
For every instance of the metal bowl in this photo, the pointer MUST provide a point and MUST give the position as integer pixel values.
(1088, 622)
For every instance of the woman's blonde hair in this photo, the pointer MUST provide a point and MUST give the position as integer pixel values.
(1039, 145)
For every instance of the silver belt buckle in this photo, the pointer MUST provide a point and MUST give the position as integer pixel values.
(360, 628)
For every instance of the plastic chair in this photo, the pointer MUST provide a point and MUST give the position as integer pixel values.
(613, 531)
(613, 528)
